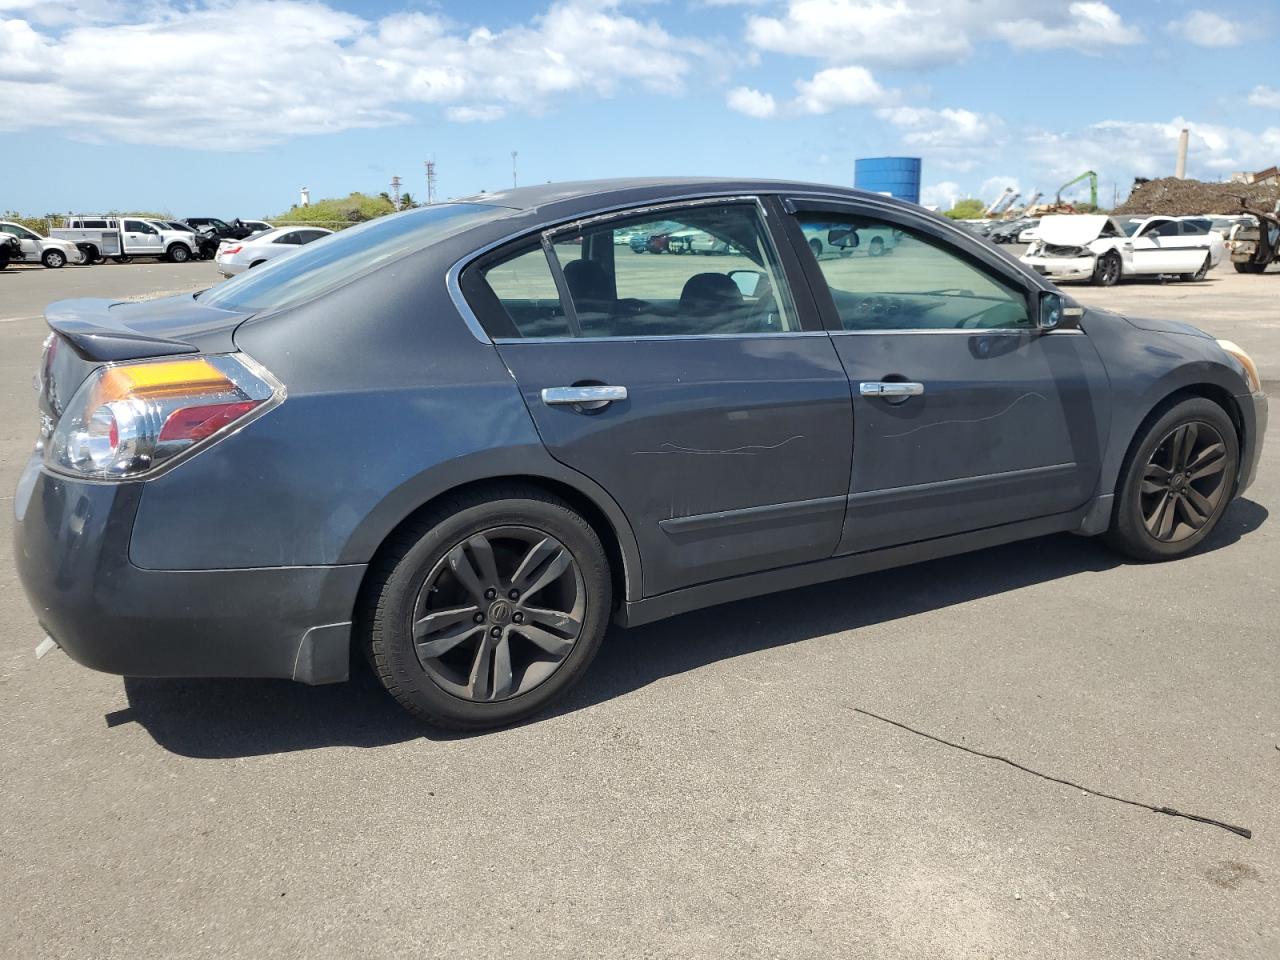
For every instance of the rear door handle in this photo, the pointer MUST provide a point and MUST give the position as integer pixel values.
(890, 388)
(553, 396)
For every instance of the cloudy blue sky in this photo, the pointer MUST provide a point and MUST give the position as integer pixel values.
(228, 107)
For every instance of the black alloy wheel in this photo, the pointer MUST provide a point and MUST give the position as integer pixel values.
(1107, 271)
(1184, 481)
(499, 613)
(1177, 481)
(487, 609)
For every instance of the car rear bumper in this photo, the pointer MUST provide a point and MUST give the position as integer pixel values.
(1062, 268)
(229, 268)
(72, 552)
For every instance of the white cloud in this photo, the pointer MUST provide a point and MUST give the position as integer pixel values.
(1089, 28)
(941, 195)
(1148, 149)
(1262, 96)
(234, 74)
(948, 127)
(927, 33)
(1208, 29)
(838, 87)
(752, 102)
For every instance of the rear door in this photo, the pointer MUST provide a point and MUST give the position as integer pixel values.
(693, 387)
(141, 239)
(966, 415)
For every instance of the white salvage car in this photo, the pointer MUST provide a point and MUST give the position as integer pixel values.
(1106, 249)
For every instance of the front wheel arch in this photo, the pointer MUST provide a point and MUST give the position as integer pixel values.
(1205, 391)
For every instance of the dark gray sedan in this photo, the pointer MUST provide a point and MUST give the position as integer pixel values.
(464, 438)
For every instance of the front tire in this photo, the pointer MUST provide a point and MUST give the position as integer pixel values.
(178, 253)
(488, 609)
(1176, 482)
(1108, 269)
(54, 259)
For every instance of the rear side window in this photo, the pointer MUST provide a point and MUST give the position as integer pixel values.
(525, 290)
(882, 277)
(322, 267)
(703, 271)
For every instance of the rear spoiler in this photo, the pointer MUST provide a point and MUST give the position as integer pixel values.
(87, 324)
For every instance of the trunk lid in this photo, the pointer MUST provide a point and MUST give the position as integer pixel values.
(90, 332)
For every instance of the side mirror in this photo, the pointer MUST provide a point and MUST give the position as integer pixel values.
(748, 281)
(1052, 310)
(842, 237)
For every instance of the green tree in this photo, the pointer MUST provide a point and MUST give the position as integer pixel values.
(970, 208)
(407, 201)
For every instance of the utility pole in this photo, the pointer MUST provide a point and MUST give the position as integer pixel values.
(395, 192)
(513, 169)
(1180, 168)
(431, 180)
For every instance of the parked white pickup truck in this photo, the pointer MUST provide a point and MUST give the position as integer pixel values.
(127, 237)
(33, 248)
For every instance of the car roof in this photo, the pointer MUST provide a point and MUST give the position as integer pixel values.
(593, 194)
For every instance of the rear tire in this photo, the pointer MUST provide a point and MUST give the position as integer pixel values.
(1170, 499)
(1249, 267)
(54, 259)
(432, 579)
(1108, 269)
(1199, 274)
(123, 259)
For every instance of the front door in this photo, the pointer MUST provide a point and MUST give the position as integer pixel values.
(966, 415)
(142, 239)
(686, 380)
(1160, 247)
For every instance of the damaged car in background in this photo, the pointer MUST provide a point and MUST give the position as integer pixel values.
(1105, 250)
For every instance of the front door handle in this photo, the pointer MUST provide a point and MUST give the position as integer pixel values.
(594, 395)
(890, 388)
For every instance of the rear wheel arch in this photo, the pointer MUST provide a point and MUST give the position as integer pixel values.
(619, 544)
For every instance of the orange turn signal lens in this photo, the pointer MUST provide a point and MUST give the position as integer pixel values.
(162, 379)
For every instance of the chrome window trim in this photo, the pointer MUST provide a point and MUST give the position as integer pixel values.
(962, 331)
(666, 336)
(684, 200)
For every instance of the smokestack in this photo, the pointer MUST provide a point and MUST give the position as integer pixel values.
(1180, 171)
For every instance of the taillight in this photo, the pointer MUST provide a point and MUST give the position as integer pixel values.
(131, 419)
(230, 250)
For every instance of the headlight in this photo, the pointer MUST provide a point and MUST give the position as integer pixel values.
(131, 419)
(1246, 361)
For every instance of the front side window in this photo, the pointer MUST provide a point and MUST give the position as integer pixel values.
(137, 226)
(701, 271)
(882, 277)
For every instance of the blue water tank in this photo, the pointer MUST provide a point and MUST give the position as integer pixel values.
(896, 176)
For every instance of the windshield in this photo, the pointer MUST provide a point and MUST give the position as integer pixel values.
(1131, 226)
(332, 261)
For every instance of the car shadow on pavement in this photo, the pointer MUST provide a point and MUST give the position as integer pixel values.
(240, 718)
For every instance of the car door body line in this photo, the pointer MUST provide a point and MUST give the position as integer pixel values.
(661, 606)
(774, 514)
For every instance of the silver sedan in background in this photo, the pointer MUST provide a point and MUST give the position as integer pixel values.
(236, 256)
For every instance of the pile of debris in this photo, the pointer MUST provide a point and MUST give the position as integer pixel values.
(1183, 198)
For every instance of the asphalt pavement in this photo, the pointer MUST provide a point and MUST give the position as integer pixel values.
(710, 790)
